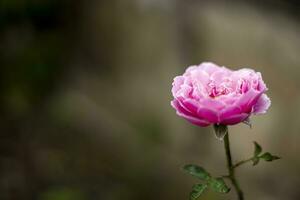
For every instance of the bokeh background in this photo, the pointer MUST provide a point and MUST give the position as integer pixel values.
(85, 97)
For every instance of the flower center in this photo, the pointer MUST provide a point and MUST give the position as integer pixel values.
(214, 91)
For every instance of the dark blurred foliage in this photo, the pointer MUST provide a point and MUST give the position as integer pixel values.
(85, 92)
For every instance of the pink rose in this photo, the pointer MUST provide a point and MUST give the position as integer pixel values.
(209, 94)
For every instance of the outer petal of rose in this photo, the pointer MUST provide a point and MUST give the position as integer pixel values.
(262, 105)
(261, 84)
(254, 100)
(190, 105)
(229, 99)
(184, 91)
(209, 67)
(190, 69)
(244, 72)
(229, 111)
(247, 100)
(194, 120)
(179, 106)
(208, 114)
(175, 104)
(177, 82)
(235, 119)
(183, 113)
(212, 103)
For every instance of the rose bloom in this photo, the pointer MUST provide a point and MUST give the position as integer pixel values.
(209, 94)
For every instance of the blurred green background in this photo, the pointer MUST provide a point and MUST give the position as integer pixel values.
(85, 97)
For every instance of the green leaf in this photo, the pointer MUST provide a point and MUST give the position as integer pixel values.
(197, 171)
(269, 157)
(198, 189)
(255, 160)
(220, 131)
(257, 150)
(218, 185)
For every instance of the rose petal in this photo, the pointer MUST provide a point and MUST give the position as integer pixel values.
(190, 105)
(208, 114)
(175, 104)
(230, 111)
(185, 114)
(209, 67)
(207, 94)
(262, 105)
(247, 100)
(194, 120)
(177, 82)
(235, 119)
(214, 104)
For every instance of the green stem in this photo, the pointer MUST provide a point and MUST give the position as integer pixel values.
(231, 168)
(242, 162)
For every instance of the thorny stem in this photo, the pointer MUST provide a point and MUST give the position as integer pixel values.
(231, 168)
